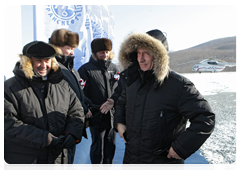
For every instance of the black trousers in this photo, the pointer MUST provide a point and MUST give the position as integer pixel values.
(103, 144)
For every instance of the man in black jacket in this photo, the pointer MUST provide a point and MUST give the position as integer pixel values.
(100, 76)
(64, 43)
(42, 115)
(155, 104)
(131, 70)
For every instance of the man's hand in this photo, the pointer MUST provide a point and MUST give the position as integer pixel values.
(57, 142)
(121, 129)
(107, 106)
(50, 136)
(69, 142)
(89, 114)
(173, 154)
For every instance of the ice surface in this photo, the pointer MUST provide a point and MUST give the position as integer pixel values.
(213, 83)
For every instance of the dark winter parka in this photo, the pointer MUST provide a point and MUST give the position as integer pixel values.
(100, 85)
(73, 78)
(28, 117)
(156, 105)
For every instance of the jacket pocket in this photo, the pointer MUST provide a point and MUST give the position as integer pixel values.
(155, 123)
(163, 151)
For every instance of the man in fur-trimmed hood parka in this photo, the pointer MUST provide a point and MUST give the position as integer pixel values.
(153, 109)
(42, 115)
(100, 76)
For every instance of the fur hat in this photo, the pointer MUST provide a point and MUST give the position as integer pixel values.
(62, 37)
(38, 49)
(101, 44)
(160, 36)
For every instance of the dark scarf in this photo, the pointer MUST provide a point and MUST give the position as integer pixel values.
(146, 75)
(67, 61)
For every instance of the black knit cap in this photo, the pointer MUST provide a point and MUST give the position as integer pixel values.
(101, 44)
(160, 36)
(38, 49)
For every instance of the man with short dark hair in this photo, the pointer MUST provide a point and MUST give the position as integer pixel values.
(42, 115)
(99, 74)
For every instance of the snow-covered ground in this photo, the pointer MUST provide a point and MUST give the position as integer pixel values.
(220, 91)
(213, 83)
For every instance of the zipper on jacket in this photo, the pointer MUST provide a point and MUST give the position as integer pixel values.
(161, 114)
(163, 127)
(161, 122)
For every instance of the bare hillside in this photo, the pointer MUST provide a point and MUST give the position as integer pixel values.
(223, 48)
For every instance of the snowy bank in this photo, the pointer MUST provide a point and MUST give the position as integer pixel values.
(213, 83)
(220, 91)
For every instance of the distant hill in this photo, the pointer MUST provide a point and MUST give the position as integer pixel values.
(223, 48)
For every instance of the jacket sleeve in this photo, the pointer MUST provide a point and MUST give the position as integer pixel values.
(75, 117)
(202, 120)
(88, 102)
(118, 90)
(84, 100)
(120, 113)
(17, 131)
(84, 75)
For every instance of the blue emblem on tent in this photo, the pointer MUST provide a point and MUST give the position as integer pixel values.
(96, 29)
(87, 23)
(64, 14)
(105, 34)
(98, 32)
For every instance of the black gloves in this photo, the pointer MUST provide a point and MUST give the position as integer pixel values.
(94, 109)
(69, 142)
(56, 142)
(64, 142)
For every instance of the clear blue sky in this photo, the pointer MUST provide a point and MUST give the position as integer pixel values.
(185, 25)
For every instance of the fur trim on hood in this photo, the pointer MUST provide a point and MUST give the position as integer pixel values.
(27, 68)
(155, 47)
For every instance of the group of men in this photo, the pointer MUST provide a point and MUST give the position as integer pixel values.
(48, 104)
